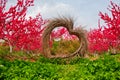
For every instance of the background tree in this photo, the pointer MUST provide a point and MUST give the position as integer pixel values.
(16, 30)
(108, 36)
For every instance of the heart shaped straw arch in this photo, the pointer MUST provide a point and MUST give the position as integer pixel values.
(68, 23)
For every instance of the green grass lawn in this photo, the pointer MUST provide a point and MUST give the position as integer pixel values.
(106, 67)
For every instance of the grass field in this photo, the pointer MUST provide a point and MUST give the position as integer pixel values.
(105, 67)
(20, 65)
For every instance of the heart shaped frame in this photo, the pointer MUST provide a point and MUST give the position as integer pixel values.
(67, 23)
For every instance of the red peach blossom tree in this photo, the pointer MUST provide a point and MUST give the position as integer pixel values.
(62, 33)
(16, 30)
(108, 36)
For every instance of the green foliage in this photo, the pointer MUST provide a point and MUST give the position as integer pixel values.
(64, 46)
(4, 50)
(107, 67)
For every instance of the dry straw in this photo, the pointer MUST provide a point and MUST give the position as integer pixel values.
(68, 23)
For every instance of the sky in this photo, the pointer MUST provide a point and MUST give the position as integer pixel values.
(84, 12)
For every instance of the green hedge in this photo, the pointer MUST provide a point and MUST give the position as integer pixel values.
(105, 68)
